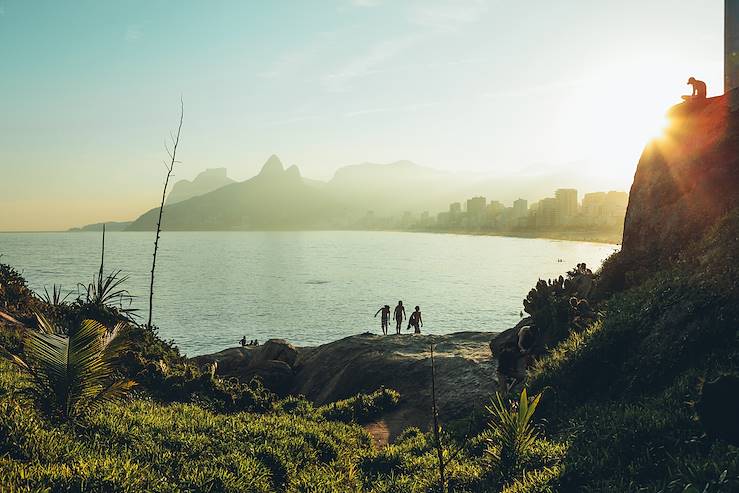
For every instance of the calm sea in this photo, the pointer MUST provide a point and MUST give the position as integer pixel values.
(212, 288)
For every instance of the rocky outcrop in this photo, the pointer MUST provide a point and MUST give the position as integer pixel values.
(273, 362)
(362, 363)
(685, 181)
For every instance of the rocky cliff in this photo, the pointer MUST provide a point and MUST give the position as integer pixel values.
(685, 181)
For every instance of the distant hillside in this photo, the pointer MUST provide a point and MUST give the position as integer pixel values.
(109, 226)
(277, 198)
(207, 181)
(396, 187)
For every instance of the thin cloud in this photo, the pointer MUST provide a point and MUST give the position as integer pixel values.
(289, 121)
(341, 78)
(388, 109)
(365, 3)
(294, 60)
(448, 15)
(133, 33)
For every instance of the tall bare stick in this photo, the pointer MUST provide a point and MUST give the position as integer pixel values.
(169, 166)
(435, 413)
(102, 256)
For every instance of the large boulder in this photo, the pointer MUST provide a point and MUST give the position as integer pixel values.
(275, 350)
(465, 374)
(230, 361)
(508, 337)
(685, 181)
(275, 375)
(272, 362)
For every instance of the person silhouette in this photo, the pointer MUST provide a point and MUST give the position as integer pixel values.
(385, 310)
(399, 315)
(699, 89)
(416, 321)
(243, 341)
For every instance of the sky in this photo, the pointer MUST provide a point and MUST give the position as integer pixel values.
(89, 91)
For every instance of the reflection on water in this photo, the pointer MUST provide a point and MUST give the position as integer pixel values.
(307, 287)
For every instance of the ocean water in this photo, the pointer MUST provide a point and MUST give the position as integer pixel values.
(212, 288)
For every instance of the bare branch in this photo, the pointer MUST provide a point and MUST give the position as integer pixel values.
(170, 167)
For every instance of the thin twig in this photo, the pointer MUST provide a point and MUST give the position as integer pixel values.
(169, 167)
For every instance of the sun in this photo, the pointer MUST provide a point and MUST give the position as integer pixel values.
(608, 118)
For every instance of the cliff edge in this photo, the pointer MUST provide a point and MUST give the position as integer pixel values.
(685, 181)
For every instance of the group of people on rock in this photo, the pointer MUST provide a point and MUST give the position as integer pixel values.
(251, 343)
(415, 320)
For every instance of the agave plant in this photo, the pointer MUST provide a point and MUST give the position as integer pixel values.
(54, 298)
(72, 374)
(511, 433)
(107, 291)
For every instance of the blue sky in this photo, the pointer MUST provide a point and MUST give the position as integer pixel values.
(90, 90)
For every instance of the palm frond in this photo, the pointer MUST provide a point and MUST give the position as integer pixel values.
(71, 373)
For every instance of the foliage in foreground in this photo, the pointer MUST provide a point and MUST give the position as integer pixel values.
(621, 392)
(73, 374)
(143, 445)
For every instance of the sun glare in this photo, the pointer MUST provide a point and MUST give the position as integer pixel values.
(609, 119)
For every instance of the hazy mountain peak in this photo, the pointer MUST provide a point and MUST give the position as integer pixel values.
(273, 166)
(293, 172)
(206, 181)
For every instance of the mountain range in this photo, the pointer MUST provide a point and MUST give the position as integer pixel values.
(277, 198)
(280, 198)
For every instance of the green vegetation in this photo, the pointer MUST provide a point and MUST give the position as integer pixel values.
(71, 375)
(143, 445)
(621, 392)
(512, 434)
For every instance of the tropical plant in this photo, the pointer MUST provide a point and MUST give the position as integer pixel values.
(54, 298)
(512, 434)
(106, 291)
(72, 374)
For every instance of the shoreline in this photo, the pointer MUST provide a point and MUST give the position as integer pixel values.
(578, 236)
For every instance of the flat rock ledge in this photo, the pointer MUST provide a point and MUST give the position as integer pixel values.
(465, 373)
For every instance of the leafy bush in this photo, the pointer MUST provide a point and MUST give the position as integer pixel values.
(362, 408)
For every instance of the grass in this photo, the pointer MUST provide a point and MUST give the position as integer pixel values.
(621, 392)
(145, 445)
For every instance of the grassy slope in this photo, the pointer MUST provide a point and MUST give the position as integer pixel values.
(621, 391)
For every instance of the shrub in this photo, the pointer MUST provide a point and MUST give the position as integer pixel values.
(362, 408)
